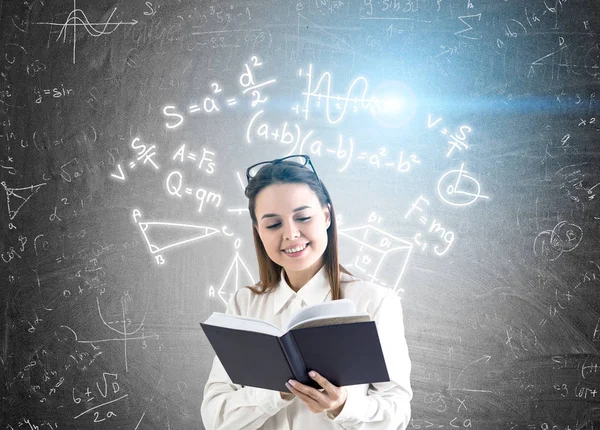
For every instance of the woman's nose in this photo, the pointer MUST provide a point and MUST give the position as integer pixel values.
(291, 232)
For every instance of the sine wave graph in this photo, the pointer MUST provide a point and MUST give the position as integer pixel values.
(77, 19)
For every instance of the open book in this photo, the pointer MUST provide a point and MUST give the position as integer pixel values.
(330, 337)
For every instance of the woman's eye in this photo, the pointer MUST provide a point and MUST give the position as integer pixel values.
(303, 219)
(273, 225)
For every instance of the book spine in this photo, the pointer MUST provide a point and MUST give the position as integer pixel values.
(294, 358)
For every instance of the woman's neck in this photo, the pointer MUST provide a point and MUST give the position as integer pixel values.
(298, 279)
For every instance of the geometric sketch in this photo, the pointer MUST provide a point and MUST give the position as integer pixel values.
(11, 192)
(166, 235)
(456, 195)
(126, 336)
(234, 278)
(88, 26)
(381, 256)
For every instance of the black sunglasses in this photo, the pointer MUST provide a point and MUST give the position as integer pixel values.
(300, 160)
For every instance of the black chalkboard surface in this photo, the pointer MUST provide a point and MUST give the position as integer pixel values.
(459, 141)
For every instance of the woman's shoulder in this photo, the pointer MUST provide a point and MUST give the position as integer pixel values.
(358, 289)
(245, 298)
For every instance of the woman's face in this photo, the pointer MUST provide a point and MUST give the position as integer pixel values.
(293, 225)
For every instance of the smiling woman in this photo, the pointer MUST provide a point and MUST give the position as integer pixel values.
(295, 236)
(283, 195)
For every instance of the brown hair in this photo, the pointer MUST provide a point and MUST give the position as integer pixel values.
(289, 172)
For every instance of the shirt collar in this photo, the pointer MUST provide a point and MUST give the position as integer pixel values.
(313, 292)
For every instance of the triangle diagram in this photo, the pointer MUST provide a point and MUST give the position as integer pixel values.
(17, 197)
(164, 235)
(238, 275)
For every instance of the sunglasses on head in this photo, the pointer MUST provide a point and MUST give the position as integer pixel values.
(300, 160)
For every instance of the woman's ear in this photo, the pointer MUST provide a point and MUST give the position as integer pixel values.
(327, 211)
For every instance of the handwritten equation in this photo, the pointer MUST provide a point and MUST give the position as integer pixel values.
(456, 187)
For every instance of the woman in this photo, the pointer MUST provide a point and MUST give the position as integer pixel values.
(295, 237)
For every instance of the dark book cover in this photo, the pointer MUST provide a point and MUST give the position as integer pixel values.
(250, 358)
(345, 354)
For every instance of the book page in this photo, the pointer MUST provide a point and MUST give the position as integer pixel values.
(341, 307)
(324, 320)
(239, 322)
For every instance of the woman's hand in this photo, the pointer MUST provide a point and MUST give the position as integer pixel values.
(331, 399)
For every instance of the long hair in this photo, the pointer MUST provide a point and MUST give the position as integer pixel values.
(289, 172)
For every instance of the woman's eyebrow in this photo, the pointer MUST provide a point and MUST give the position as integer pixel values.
(295, 210)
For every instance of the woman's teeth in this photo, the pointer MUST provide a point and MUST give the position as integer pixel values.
(296, 249)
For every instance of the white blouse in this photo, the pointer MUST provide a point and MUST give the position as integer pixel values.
(377, 406)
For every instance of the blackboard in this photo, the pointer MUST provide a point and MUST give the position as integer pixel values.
(459, 141)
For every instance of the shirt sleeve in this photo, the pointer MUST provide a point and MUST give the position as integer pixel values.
(386, 405)
(226, 405)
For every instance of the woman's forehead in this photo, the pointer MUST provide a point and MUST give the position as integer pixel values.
(280, 198)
